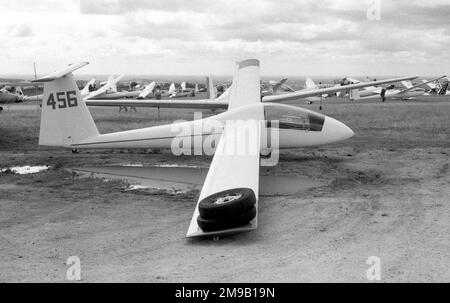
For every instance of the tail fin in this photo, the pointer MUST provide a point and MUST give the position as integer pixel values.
(211, 88)
(85, 89)
(407, 84)
(310, 84)
(113, 86)
(65, 118)
(19, 91)
(147, 90)
(183, 86)
(226, 95)
(276, 86)
(172, 89)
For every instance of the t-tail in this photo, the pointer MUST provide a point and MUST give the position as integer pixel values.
(172, 89)
(65, 118)
(88, 87)
(277, 86)
(310, 84)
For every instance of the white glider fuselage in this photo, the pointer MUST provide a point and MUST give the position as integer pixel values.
(397, 94)
(297, 127)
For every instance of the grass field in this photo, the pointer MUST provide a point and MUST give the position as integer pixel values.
(386, 195)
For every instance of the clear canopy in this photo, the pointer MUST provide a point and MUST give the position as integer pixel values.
(290, 117)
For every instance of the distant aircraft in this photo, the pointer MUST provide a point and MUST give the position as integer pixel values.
(310, 95)
(108, 90)
(443, 88)
(89, 87)
(228, 201)
(277, 88)
(367, 91)
(147, 90)
(438, 87)
(12, 88)
(411, 91)
(183, 92)
(10, 95)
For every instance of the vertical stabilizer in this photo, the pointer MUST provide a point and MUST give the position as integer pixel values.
(65, 118)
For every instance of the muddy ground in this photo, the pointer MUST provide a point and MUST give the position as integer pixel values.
(386, 194)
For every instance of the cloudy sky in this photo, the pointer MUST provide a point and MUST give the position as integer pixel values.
(197, 37)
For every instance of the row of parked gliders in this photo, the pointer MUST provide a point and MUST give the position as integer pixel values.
(227, 209)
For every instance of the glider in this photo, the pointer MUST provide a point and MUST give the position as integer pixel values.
(228, 201)
(410, 91)
(309, 94)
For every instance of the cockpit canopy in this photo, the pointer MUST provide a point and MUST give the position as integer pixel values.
(290, 117)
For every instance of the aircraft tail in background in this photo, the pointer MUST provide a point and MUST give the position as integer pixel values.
(277, 86)
(86, 88)
(310, 84)
(147, 90)
(407, 84)
(172, 89)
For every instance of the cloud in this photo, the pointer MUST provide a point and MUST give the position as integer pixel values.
(20, 30)
(206, 36)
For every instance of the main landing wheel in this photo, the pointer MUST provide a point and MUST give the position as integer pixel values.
(227, 203)
(228, 222)
(227, 209)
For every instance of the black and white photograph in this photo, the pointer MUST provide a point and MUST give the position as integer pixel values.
(227, 142)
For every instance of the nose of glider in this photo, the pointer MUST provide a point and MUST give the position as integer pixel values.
(336, 130)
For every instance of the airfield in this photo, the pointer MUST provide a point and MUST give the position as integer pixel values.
(385, 192)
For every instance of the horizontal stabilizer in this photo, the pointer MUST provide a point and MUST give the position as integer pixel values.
(61, 73)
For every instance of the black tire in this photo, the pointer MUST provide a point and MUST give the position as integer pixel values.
(216, 206)
(227, 223)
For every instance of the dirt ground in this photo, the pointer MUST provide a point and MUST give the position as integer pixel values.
(386, 195)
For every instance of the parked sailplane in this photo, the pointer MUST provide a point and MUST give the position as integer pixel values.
(411, 91)
(277, 88)
(11, 91)
(13, 95)
(312, 93)
(437, 87)
(228, 201)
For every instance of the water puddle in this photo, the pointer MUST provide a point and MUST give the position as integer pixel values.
(182, 179)
(24, 170)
